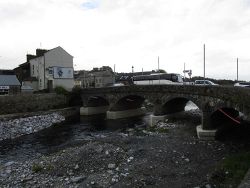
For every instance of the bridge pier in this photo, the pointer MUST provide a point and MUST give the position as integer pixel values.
(205, 131)
(153, 119)
(204, 134)
(158, 114)
(86, 111)
(125, 113)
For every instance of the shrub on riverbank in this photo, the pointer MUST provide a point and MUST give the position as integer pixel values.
(231, 170)
(61, 90)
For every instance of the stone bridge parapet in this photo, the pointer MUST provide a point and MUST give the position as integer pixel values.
(169, 99)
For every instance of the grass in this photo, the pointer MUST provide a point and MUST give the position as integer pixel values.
(162, 130)
(36, 168)
(231, 170)
(158, 129)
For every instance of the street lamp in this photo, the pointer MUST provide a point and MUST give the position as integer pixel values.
(204, 68)
(237, 69)
(132, 74)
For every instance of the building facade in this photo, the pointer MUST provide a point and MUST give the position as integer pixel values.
(98, 77)
(47, 70)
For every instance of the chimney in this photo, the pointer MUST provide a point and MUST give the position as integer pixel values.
(40, 52)
(29, 57)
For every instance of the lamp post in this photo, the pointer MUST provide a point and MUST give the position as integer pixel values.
(132, 74)
(184, 71)
(237, 69)
(204, 64)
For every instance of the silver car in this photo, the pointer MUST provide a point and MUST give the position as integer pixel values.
(242, 84)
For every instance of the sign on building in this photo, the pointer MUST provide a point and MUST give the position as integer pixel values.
(4, 87)
(4, 90)
(62, 72)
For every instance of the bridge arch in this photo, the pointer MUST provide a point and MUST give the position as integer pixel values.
(224, 116)
(126, 106)
(94, 101)
(175, 104)
(94, 105)
(127, 102)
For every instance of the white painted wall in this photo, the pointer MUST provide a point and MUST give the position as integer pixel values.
(56, 57)
(38, 65)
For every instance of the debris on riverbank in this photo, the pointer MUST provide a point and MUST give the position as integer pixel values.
(129, 157)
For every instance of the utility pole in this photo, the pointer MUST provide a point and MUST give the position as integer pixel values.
(132, 79)
(114, 75)
(158, 63)
(204, 64)
(237, 69)
(184, 71)
(159, 69)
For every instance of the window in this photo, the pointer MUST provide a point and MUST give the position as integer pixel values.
(33, 69)
(50, 71)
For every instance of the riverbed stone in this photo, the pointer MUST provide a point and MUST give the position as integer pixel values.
(11, 129)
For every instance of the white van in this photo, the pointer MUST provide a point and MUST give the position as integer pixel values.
(204, 82)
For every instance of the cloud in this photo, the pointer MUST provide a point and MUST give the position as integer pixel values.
(128, 32)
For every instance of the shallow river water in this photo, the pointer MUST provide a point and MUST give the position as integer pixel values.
(50, 139)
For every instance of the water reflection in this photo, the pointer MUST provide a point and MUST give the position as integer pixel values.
(99, 122)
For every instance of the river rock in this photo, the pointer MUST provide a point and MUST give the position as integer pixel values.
(111, 166)
(78, 179)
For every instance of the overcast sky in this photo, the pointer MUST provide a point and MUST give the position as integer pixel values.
(131, 33)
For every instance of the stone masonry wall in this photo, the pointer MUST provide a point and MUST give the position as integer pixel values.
(31, 103)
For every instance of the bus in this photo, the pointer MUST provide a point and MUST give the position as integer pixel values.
(157, 79)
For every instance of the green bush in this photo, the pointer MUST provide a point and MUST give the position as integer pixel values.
(231, 170)
(61, 90)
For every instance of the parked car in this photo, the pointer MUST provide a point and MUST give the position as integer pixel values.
(204, 82)
(242, 84)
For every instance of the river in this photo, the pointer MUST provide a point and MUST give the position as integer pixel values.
(48, 140)
(176, 158)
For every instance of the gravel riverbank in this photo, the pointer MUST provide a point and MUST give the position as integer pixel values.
(170, 155)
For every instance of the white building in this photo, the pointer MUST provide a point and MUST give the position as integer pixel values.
(50, 68)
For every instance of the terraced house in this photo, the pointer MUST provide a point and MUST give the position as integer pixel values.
(47, 70)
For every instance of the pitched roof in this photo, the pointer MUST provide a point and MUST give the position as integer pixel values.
(59, 47)
(9, 80)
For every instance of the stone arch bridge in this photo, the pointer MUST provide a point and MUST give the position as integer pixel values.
(126, 101)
